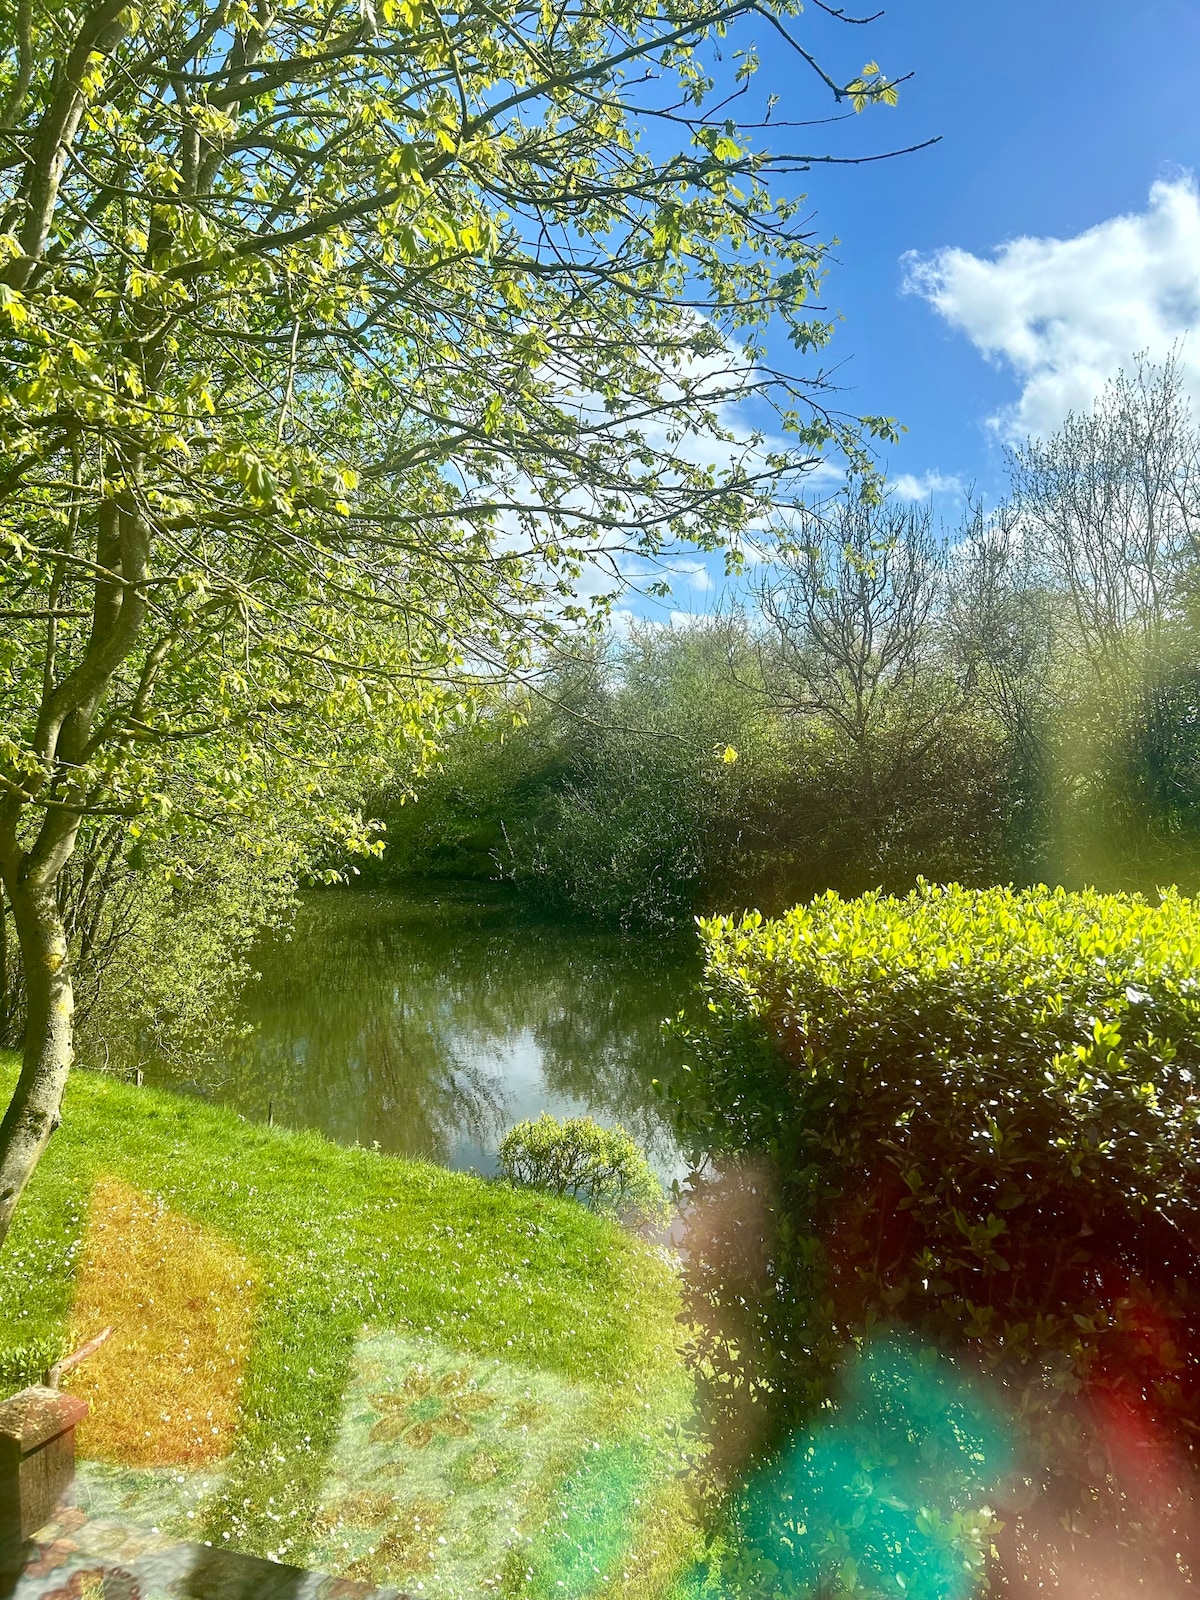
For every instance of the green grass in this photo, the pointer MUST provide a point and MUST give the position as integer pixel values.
(342, 1240)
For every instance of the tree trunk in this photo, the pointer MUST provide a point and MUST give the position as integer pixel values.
(33, 1112)
(7, 976)
(32, 876)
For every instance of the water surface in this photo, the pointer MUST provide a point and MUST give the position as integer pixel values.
(427, 1022)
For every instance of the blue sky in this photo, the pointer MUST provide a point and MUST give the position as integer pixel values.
(1055, 116)
(992, 282)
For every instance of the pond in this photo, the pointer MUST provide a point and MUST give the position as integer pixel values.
(426, 1021)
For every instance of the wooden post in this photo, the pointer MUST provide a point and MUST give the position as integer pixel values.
(37, 1463)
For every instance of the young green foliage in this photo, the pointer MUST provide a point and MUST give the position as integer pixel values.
(335, 341)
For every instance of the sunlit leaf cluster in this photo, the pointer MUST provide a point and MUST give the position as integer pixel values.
(339, 343)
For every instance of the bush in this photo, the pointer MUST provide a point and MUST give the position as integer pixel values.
(654, 812)
(603, 1167)
(982, 1111)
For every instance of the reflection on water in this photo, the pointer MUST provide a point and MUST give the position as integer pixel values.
(428, 1022)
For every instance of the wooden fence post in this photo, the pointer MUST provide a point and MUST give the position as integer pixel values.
(37, 1463)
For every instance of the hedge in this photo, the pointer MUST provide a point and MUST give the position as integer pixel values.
(980, 1109)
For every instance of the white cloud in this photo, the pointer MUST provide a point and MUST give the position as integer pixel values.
(693, 575)
(1067, 314)
(907, 486)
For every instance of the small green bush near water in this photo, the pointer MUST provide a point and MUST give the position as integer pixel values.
(981, 1109)
(577, 1157)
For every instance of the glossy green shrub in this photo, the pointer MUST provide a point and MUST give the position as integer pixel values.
(982, 1110)
(602, 1167)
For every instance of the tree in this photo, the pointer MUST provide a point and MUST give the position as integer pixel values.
(1105, 511)
(656, 809)
(1109, 502)
(1002, 619)
(851, 608)
(338, 337)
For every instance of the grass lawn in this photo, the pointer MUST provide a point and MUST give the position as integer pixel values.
(334, 1357)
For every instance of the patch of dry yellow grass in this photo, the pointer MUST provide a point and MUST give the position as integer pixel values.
(164, 1388)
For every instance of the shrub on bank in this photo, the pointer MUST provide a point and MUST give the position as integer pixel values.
(981, 1112)
(602, 1167)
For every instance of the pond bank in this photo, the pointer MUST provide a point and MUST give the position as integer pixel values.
(368, 1365)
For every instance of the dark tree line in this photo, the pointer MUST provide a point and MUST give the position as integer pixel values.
(1013, 699)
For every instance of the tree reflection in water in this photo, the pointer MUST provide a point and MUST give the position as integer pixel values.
(428, 1021)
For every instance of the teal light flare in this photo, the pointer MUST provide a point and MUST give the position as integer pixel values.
(887, 1496)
